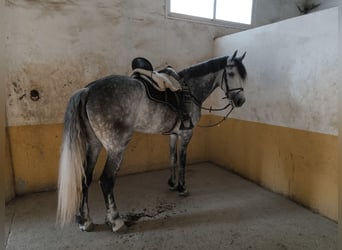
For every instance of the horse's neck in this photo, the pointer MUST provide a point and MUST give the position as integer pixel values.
(202, 87)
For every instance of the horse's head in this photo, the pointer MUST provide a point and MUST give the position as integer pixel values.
(234, 76)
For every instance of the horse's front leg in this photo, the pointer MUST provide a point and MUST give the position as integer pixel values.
(173, 161)
(185, 137)
(107, 181)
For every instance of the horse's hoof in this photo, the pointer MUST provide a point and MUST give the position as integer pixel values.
(172, 185)
(184, 193)
(173, 188)
(119, 226)
(87, 226)
(84, 223)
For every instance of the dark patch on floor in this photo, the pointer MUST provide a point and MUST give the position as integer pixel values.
(132, 217)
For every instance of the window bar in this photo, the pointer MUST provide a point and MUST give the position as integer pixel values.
(214, 17)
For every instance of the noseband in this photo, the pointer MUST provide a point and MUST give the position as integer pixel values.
(224, 80)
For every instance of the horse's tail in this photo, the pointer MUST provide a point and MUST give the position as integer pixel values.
(73, 154)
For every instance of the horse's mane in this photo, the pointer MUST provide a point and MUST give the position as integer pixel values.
(211, 66)
(204, 68)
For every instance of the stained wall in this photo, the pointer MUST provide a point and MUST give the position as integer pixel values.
(56, 47)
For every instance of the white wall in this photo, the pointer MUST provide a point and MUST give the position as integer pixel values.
(292, 73)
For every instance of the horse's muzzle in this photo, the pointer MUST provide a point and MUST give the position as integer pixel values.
(238, 99)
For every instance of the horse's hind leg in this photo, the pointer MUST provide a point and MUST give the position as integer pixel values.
(173, 161)
(83, 219)
(107, 181)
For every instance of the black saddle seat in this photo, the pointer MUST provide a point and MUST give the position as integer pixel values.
(141, 63)
(166, 97)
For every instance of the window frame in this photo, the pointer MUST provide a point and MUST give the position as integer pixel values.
(214, 22)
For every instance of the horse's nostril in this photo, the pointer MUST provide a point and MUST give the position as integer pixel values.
(240, 101)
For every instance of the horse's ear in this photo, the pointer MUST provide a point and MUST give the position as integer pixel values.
(242, 57)
(234, 55)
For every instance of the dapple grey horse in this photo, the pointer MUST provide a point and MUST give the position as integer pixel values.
(106, 113)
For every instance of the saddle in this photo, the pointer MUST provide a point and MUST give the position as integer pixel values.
(164, 87)
(160, 79)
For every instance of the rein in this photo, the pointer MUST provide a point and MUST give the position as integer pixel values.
(220, 121)
(198, 104)
(214, 110)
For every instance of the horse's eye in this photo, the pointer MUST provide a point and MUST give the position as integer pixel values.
(231, 74)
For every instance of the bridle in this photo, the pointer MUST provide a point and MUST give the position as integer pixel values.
(224, 81)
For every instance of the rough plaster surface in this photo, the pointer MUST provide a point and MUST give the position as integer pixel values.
(223, 211)
(292, 73)
(56, 47)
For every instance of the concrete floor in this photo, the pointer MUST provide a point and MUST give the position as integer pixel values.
(223, 211)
